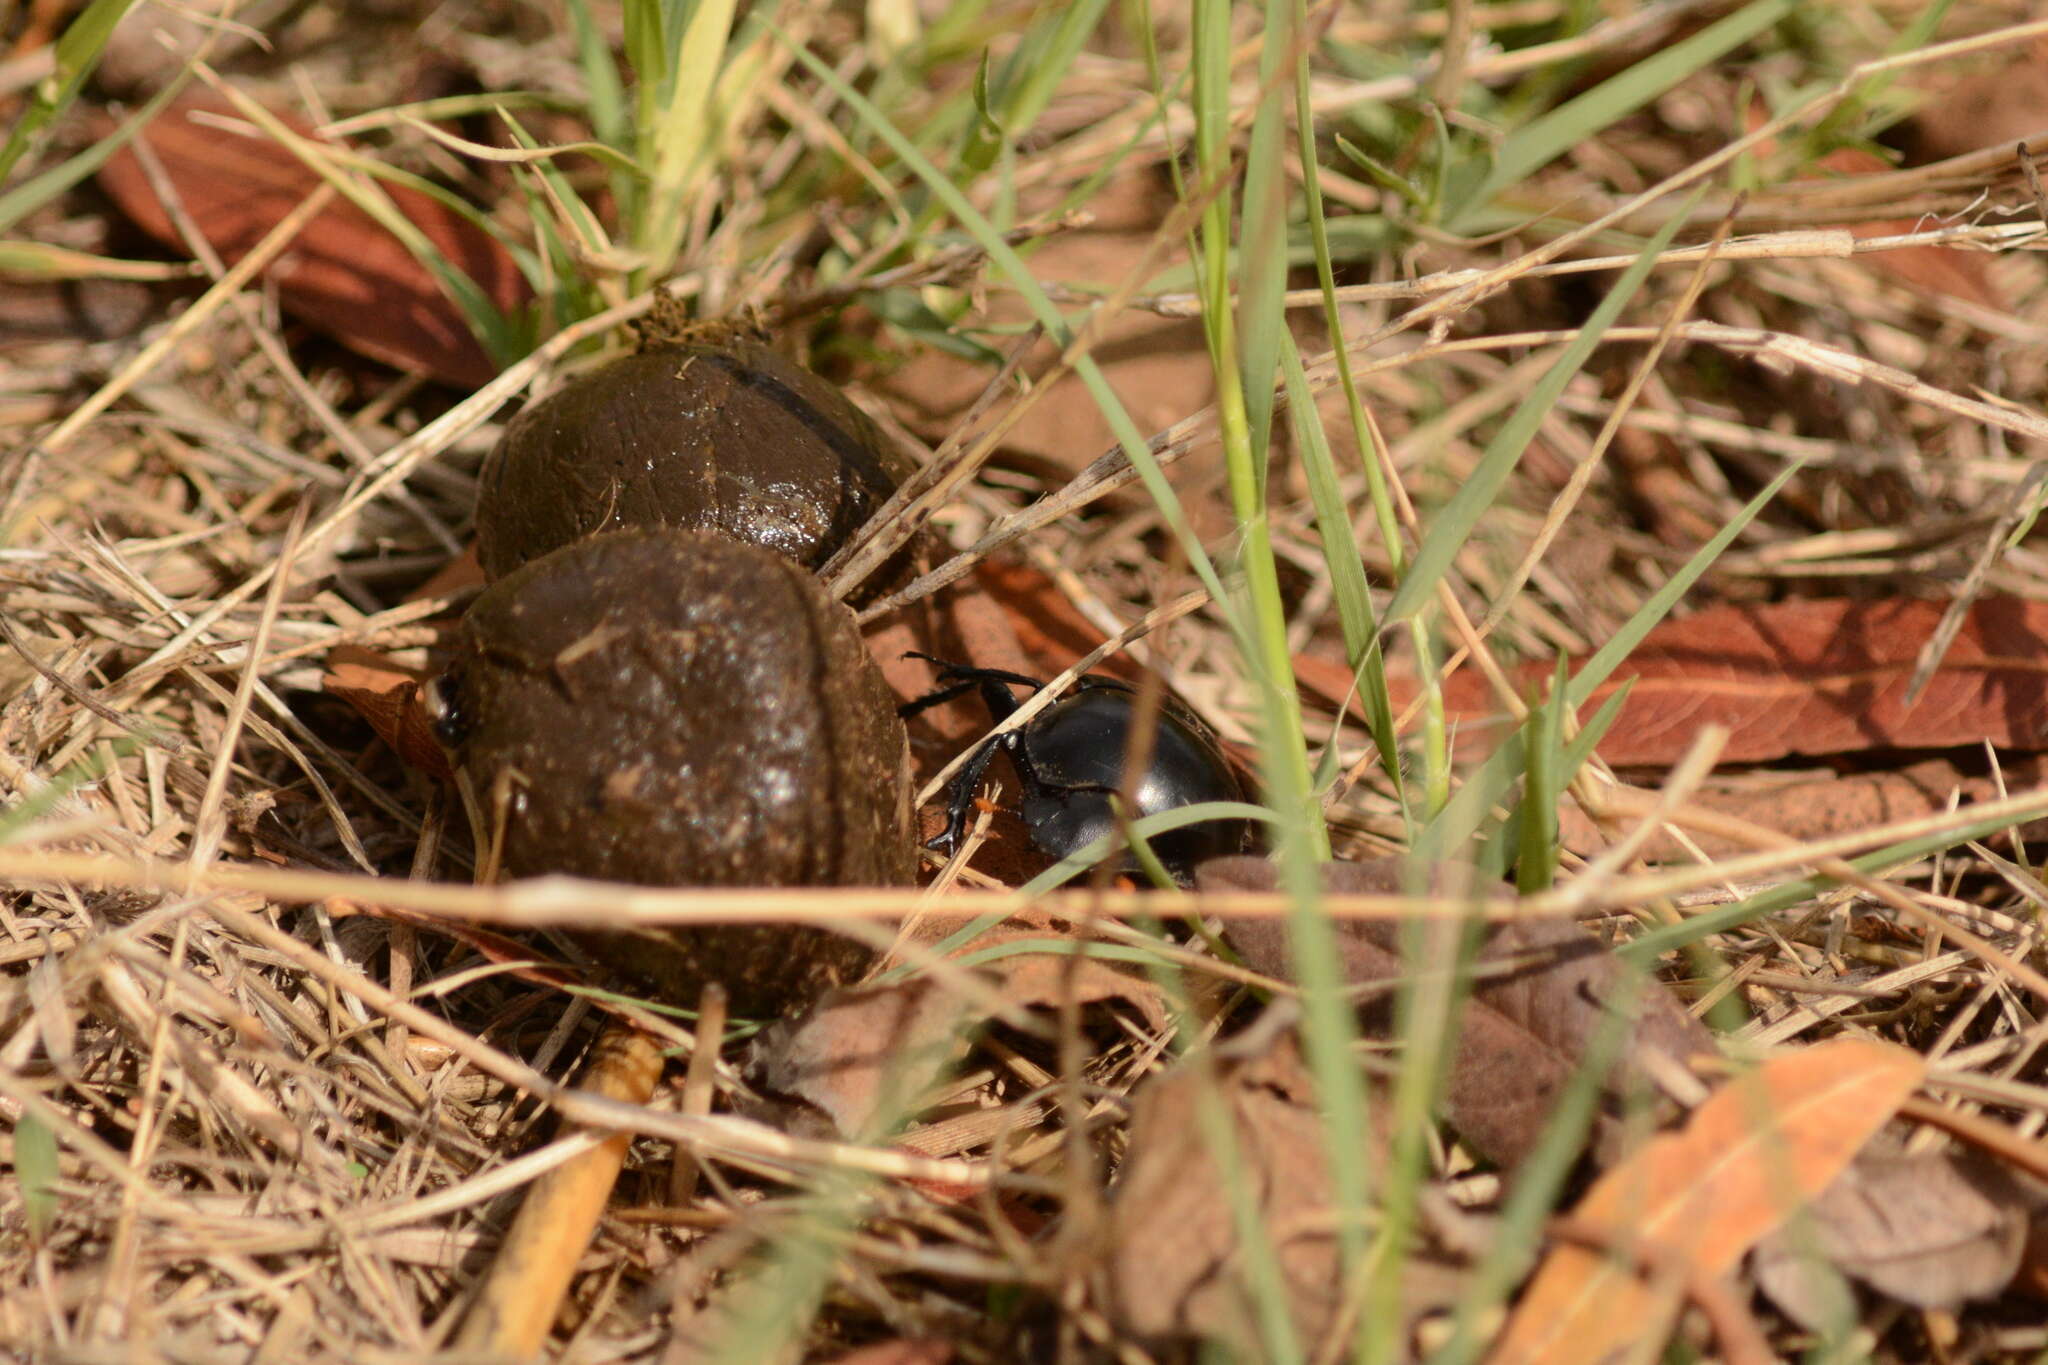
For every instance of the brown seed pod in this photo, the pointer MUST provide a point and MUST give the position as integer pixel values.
(720, 433)
(677, 708)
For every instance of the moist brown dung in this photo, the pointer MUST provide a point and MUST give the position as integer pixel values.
(716, 435)
(675, 708)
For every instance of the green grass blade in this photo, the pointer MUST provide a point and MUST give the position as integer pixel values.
(1262, 262)
(610, 115)
(78, 52)
(680, 138)
(31, 194)
(1537, 143)
(1536, 862)
(35, 1167)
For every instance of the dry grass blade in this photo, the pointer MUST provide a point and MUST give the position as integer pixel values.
(520, 1296)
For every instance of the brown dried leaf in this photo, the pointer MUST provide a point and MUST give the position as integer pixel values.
(1749, 1156)
(1174, 1268)
(388, 697)
(854, 1059)
(1934, 1230)
(1799, 677)
(344, 274)
(1525, 1029)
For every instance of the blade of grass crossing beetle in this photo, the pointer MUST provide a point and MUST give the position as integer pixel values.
(1542, 140)
(1452, 525)
(78, 52)
(1283, 748)
(1244, 404)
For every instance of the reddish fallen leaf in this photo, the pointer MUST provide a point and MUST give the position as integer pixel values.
(388, 697)
(343, 274)
(1802, 677)
(1750, 1156)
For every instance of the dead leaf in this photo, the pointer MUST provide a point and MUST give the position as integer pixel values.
(1801, 677)
(1749, 1156)
(1934, 1230)
(1175, 1268)
(343, 274)
(1527, 1025)
(388, 697)
(850, 1063)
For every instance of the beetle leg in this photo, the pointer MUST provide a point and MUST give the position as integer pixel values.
(960, 796)
(935, 698)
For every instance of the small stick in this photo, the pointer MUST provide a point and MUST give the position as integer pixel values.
(698, 1088)
(523, 1291)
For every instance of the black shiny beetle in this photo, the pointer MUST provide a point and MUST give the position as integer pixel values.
(1070, 758)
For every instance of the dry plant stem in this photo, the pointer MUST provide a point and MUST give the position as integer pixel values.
(719, 1135)
(1998, 1139)
(1567, 500)
(339, 431)
(1798, 244)
(392, 468)
(528, 1279)
(207, 825)
(1112, 470)
(910, 507)
(699, 1084)
(1833, 866)
(568, 902)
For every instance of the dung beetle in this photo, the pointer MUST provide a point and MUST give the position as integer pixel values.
(1069, 759)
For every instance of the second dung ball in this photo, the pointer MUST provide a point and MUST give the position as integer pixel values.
(716, 433)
